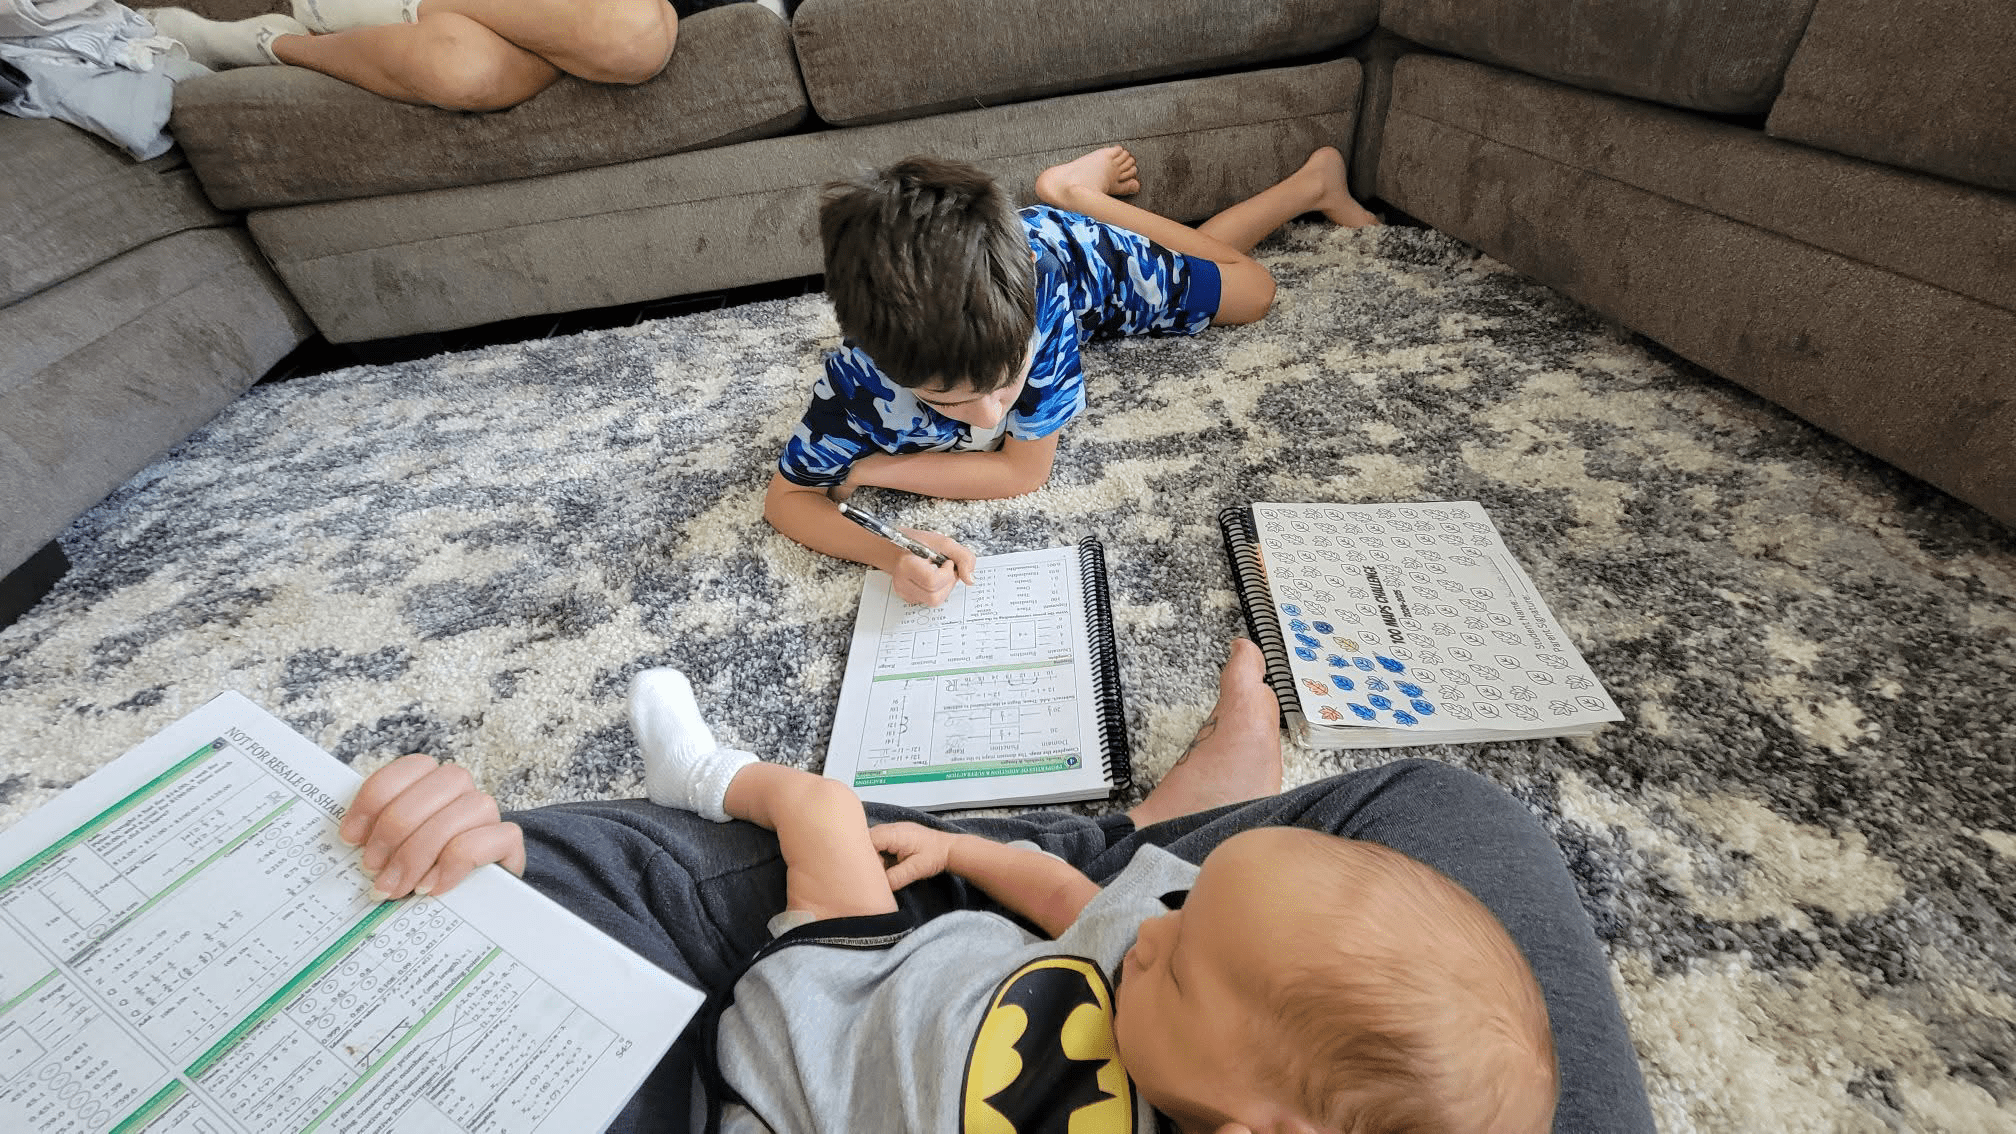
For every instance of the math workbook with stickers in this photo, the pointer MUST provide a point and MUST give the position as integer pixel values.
(1009, 693)
(1387, 625)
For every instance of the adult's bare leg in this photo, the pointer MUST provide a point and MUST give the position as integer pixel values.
(443, 60)
(1236, 755)
(607, 41)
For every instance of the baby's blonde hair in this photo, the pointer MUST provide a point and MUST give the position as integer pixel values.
(1405, 1006)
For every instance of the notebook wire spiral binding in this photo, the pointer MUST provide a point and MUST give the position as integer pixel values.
(1242, 547)
(1113, 745)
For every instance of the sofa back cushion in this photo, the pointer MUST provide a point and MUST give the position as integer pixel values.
(268, 136)
(1700, 54)
(1929, 85)
(883, 60)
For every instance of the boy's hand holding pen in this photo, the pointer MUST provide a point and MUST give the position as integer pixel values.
(930, 565)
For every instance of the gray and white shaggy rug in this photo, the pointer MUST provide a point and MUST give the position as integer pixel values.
(1800, 847)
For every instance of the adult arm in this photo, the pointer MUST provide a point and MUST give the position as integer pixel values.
(1041, 887)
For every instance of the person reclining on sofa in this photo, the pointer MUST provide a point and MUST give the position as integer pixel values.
(454, 54)
(695, 897)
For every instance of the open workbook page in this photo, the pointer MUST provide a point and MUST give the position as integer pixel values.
(187, 947)
(992, 698)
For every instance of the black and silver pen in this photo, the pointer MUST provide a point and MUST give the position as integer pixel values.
(937, 558)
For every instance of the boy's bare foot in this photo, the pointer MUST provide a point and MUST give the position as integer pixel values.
(1237, 753)
(1109, 172)
(1322, 177)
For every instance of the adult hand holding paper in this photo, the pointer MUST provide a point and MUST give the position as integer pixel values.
(424, 825)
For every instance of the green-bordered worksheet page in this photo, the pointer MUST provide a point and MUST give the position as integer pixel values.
(187, 947)
(992, 698)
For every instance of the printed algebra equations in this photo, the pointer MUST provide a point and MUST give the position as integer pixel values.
(992, 677)
(187, 947)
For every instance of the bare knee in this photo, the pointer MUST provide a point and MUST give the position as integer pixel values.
(1246, 293)
(815, 799)
(469, 69)
(626, 41)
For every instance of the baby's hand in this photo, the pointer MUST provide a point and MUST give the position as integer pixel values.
(919, 581)
(424, 826)
(919, 851)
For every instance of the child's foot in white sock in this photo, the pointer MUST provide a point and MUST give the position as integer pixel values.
(225, 43)
(683, 767)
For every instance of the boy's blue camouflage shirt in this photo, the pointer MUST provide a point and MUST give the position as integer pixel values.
(1093, 280)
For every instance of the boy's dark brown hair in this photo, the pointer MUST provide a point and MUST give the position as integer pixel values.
(929, 271)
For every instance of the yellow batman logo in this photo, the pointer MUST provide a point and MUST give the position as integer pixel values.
(1044, 1061)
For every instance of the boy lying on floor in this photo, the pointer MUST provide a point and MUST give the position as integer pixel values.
(963, 320)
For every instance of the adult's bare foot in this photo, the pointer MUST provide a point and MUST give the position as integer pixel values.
(1237, 753)
(1109, 172)
(1322, 176)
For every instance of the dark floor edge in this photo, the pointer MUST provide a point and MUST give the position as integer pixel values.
(25, 585)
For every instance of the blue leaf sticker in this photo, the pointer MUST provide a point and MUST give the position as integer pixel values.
(1341, 682)
(1389, 665)
(1337, 662)
(1323, 627)
(1379, 702)
(1297, 624)
(1409, 688)
(1290, 608)
(1305, 653)
(1363, 712)
(1425, 708)
(1309, 641)
(1363, 664)
(1403, 717)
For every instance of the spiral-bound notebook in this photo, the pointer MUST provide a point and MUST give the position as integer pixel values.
(1007, 694)
(1387, 625)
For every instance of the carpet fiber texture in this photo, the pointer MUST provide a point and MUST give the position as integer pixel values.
(1800, 848)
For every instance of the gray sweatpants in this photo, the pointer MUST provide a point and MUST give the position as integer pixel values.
(694, 896)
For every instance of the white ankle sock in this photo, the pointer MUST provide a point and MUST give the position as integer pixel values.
(225, 43)
(342, 15)
(683, 767)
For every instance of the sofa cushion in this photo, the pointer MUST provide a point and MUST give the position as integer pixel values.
(103, 374)
(883, 60)
(70, 201)
(265, 136)
(712, 219)
(1947, 235)
(1873, 302)
(1928, 86)
(1700, 54)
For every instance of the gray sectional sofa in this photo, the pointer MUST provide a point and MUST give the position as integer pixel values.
(1813, 198)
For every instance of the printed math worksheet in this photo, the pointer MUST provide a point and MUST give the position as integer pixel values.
(187, 947)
